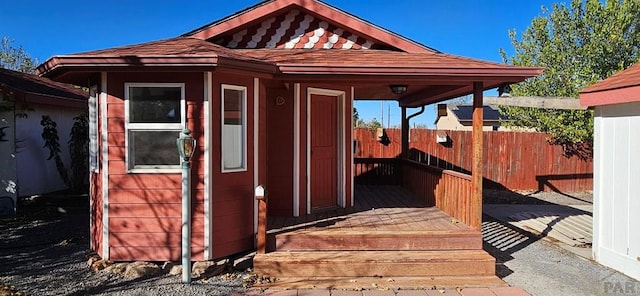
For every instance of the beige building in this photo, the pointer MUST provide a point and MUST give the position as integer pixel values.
(459, 117)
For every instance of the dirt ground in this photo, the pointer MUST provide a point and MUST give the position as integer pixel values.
(44, 251)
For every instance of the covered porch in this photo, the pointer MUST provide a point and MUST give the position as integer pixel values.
(424, 230)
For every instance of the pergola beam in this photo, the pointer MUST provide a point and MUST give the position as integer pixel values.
(561, 103)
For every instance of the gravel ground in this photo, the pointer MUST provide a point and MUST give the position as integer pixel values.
(539, 265)
(44, 249)
(542, 268)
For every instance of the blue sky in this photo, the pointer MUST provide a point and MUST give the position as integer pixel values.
(473, 28)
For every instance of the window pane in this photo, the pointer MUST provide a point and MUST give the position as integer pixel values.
(153, 148)
(233, 130)
(154, 104)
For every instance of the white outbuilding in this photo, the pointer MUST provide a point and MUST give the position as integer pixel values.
(25, 166)
(616, 176)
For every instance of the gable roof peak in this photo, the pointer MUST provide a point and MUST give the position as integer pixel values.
(264, 13)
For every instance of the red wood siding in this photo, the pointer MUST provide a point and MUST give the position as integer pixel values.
(513, 160)
(232, 192)
(96, 212)
(280, 147)
(280, 152)
(96, 186)
(145, 209)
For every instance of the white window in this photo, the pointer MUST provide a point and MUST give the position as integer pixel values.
(234, 128)
(155, 115)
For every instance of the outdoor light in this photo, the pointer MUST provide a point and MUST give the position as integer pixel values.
(186, 146)
(398, 89)
(504, 90)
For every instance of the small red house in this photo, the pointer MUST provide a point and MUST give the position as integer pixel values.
(268, 93)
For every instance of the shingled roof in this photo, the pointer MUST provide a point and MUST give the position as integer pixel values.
(180, 51)
(622, 87)
(464, 113)
(32, 84)
(303, 40)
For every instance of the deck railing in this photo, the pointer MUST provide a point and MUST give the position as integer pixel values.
(378, 171)
(448, 190)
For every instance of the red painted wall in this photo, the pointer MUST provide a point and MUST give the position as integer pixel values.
(145, 209)
(280, 146)
(232, 192)
(280, 151)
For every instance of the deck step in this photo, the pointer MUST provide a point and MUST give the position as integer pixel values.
(396, 283)
(378, 240)
(375, 263)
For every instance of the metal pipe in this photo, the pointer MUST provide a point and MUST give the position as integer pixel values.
(416, 114)
(186, 221)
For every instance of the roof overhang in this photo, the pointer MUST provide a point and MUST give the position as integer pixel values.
(623, 87)
(75, 68)
(33, 89)
(431, 77)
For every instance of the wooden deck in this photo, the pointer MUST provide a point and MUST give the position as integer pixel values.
(377, 208)
(388, 234)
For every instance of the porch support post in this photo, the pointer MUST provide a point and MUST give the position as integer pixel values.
(476, 169)
(405, 134)
(261, 237)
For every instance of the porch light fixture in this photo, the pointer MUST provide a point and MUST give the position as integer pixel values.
(186, 146)
(504, 90)
(398, 89)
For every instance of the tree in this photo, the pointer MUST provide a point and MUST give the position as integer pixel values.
(577, 45)
(356, 117)
(15, 58)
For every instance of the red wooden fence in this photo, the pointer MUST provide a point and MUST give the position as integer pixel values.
(513, 160)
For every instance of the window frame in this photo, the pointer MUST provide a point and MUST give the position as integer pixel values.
(129, 126)
(244, 98)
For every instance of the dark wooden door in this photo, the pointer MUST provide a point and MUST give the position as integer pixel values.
(324, 168)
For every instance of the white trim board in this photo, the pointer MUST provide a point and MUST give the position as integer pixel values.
(105, 165)
(340, 134)
(208, 155)
(353, 191)
(256, 147)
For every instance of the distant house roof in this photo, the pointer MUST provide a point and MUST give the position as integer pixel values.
(465, 113)
(623, 87)
(39, 89)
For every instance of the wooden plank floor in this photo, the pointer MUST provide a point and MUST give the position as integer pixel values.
(377, 208)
